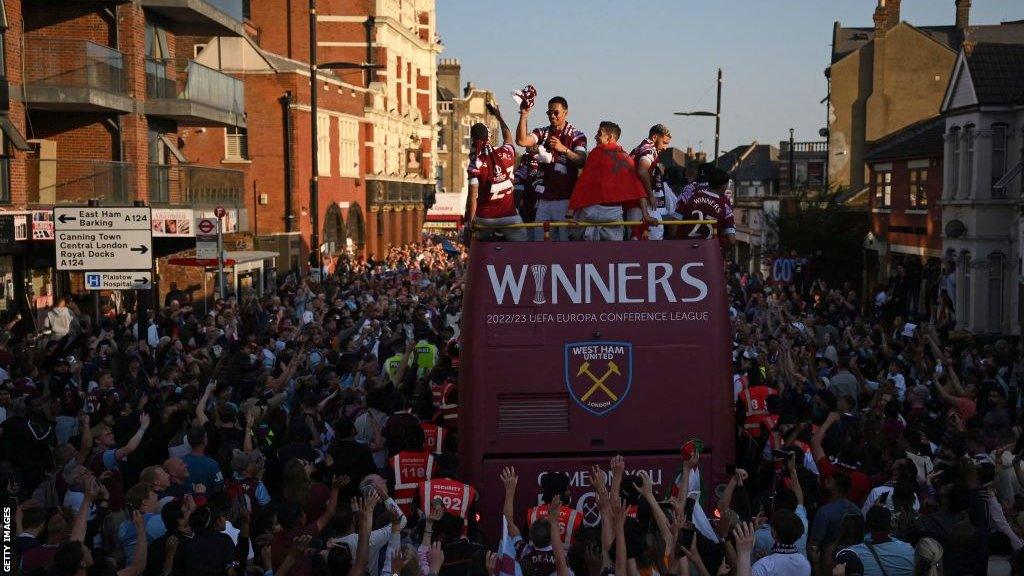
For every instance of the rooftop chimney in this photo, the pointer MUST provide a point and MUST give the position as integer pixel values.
(881, 18)
(893, 9)
(449, 73)
(963, 15)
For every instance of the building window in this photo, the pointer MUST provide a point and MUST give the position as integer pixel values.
(954, 164)
(996, 263)
(323, 143)
(999, 134)
(5, 170)
(965, 298)
(883, 189)
(380, 223)
(348, 130)
(969, 152)
(918, 188)
(236, 144)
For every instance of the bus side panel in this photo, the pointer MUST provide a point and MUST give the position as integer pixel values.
(664, 471)
(575, 349)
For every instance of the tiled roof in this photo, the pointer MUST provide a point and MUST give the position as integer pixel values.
(919, 140)
(997, 71)
(761, 163)
(848, 40)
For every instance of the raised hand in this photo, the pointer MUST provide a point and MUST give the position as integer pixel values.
(509, 479)
(435, 558)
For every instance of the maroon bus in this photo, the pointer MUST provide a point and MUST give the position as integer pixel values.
(573, 352)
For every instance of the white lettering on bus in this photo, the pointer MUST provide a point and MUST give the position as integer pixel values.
(581, 478)
(590, 283)
(508, 281)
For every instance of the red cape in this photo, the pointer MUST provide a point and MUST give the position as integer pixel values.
(609, 177)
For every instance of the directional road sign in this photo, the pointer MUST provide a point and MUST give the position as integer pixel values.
(118, 281)
(98, 238)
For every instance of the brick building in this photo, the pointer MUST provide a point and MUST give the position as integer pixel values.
(886, 77)
(98, 91)
(905, 171)
(375, 128)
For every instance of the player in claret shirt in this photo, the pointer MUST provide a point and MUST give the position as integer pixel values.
(562, 150)
(491, 181)
(706, 200)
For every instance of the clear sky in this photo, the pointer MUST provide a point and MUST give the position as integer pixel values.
(636, 61)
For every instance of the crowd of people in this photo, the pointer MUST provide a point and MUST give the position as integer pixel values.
(314, 430)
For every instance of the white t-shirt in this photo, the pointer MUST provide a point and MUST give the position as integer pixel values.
(794, 564)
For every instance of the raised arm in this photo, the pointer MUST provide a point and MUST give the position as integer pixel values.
(736, 480)
(78, 528)
(647, 489)
(795, 480)
(506, 132)
(557, 548)
(618, 465)
(201, 418)
(619, 517)
(361, 560)
(133, 442)
(819, 435)
(523, 135)
(332, 502)
(138, 563)
(85, 443)
(509, 480)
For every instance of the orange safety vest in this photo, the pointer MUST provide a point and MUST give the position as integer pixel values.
(455, 496)
(434, 436)
(409, 469)
(569, 520)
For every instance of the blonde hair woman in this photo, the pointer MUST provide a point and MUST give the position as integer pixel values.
(928, 558)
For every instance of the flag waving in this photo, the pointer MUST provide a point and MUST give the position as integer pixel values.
(609, 177)
(507, 565)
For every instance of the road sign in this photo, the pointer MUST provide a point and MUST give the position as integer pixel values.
(206, 238)
(102, 218)
(118, 281)
(98, 238)
(220, 212)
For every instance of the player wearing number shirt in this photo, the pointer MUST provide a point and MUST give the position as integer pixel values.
(492, 181)
(707, 201)
(562, 152)
(645, 156)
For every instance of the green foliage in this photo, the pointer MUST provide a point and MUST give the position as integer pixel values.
(820, 226)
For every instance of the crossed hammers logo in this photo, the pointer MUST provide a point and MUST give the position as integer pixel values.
(613, 368)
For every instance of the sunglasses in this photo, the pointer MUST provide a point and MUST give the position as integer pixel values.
(552, 112)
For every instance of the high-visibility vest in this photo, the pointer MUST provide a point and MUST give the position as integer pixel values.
(426, 356)
(569, 520)
(392, 364)
(455, 496)
(756, 398)
(434, 437)
(409, 469)
(449, 407)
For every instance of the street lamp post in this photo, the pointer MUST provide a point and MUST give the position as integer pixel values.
(314, 180)
(717, 114)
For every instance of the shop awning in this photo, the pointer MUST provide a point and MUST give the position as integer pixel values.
(243, 256)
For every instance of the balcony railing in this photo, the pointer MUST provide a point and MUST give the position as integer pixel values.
(69, 73)
(818, 147)
(399, 193)
(180, 79)
(198, 186)
(71, 181)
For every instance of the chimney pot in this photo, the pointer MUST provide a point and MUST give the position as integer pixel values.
(963, 14)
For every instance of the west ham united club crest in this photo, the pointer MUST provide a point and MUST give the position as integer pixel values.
(598, 374)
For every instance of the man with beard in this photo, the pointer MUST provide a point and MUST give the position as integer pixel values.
(645, 156)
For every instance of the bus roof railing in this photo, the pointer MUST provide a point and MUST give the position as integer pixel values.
(547, 226)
